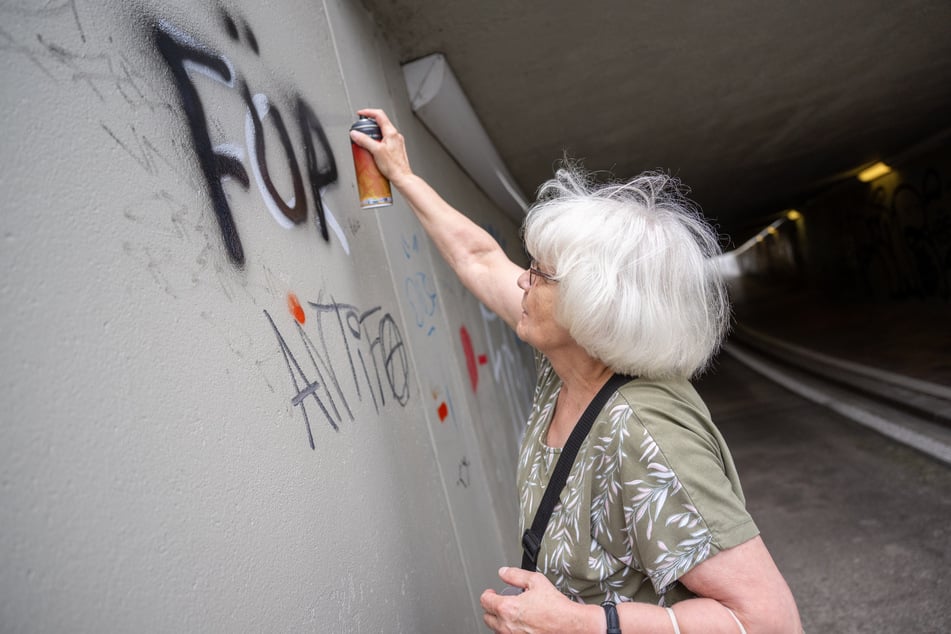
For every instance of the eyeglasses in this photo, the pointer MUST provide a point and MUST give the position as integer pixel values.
(533, 273)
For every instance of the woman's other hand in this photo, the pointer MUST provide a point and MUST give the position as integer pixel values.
(389, 152)
(540, 608)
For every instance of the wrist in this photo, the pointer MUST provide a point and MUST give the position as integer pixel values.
(593, 620)
(403, 180)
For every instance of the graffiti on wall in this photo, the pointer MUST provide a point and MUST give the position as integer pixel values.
(464, 475)
(511, 361)
(902, 238)
(195, 67)
(374, 367)
(508, 359)
(247, 133)
(472, 360)
(419, 288)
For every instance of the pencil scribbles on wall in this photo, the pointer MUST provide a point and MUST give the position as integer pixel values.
(464, 476)
(196, 69)
(51, 38)
(373, 368)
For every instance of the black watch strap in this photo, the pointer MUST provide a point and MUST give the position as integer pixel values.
(610, 614)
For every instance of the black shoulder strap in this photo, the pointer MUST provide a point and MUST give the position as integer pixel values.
(532, 539)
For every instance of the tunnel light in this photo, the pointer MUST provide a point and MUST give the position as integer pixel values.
(771, 230)
(872, 172)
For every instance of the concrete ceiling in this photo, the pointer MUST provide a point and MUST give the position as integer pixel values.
(754, 105)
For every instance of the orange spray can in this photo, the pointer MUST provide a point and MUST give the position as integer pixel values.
(372, 186)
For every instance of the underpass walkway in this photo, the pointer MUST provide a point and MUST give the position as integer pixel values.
(857, 523)
(911, 337)
(856, 516)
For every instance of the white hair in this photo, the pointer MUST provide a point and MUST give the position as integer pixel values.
(639, 287)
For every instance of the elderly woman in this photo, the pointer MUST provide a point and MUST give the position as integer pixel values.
(651, 533)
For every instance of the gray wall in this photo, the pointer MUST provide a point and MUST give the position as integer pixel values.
(181, 448)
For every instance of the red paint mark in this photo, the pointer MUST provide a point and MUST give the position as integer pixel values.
(483, 359)
(470, 358)
(443, 411)
(294, 306)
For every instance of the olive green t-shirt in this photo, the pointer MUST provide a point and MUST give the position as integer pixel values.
(652, 493)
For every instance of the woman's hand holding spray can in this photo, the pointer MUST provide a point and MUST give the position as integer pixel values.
(372, 186)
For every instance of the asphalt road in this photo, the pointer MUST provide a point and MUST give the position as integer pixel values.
(859, 525)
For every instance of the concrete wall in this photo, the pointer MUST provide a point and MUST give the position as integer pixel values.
(232, 400)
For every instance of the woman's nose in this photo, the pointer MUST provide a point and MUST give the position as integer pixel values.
(524, 280)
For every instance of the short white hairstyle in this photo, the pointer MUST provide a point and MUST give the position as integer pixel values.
(639, 286)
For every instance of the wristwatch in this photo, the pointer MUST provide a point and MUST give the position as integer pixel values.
(610, 613)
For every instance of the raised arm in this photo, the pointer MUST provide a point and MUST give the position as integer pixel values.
(473, 254)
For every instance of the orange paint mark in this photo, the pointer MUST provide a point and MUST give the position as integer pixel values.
(294, 306)
(443, 412)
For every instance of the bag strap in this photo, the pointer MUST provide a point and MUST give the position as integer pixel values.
(532, 538)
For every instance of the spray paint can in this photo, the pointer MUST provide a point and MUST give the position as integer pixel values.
(372, 186)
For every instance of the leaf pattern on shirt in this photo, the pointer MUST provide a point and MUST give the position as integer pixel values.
(623, 520)
(672, 563)
(605, 464)
(539, 467)
(652, 494)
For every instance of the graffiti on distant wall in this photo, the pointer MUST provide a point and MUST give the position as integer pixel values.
(901, 240)
(195, 66)
(374, 367)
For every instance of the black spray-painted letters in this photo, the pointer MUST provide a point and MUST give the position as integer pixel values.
(190, 63)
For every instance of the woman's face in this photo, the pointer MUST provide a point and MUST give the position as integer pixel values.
(537, 325)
